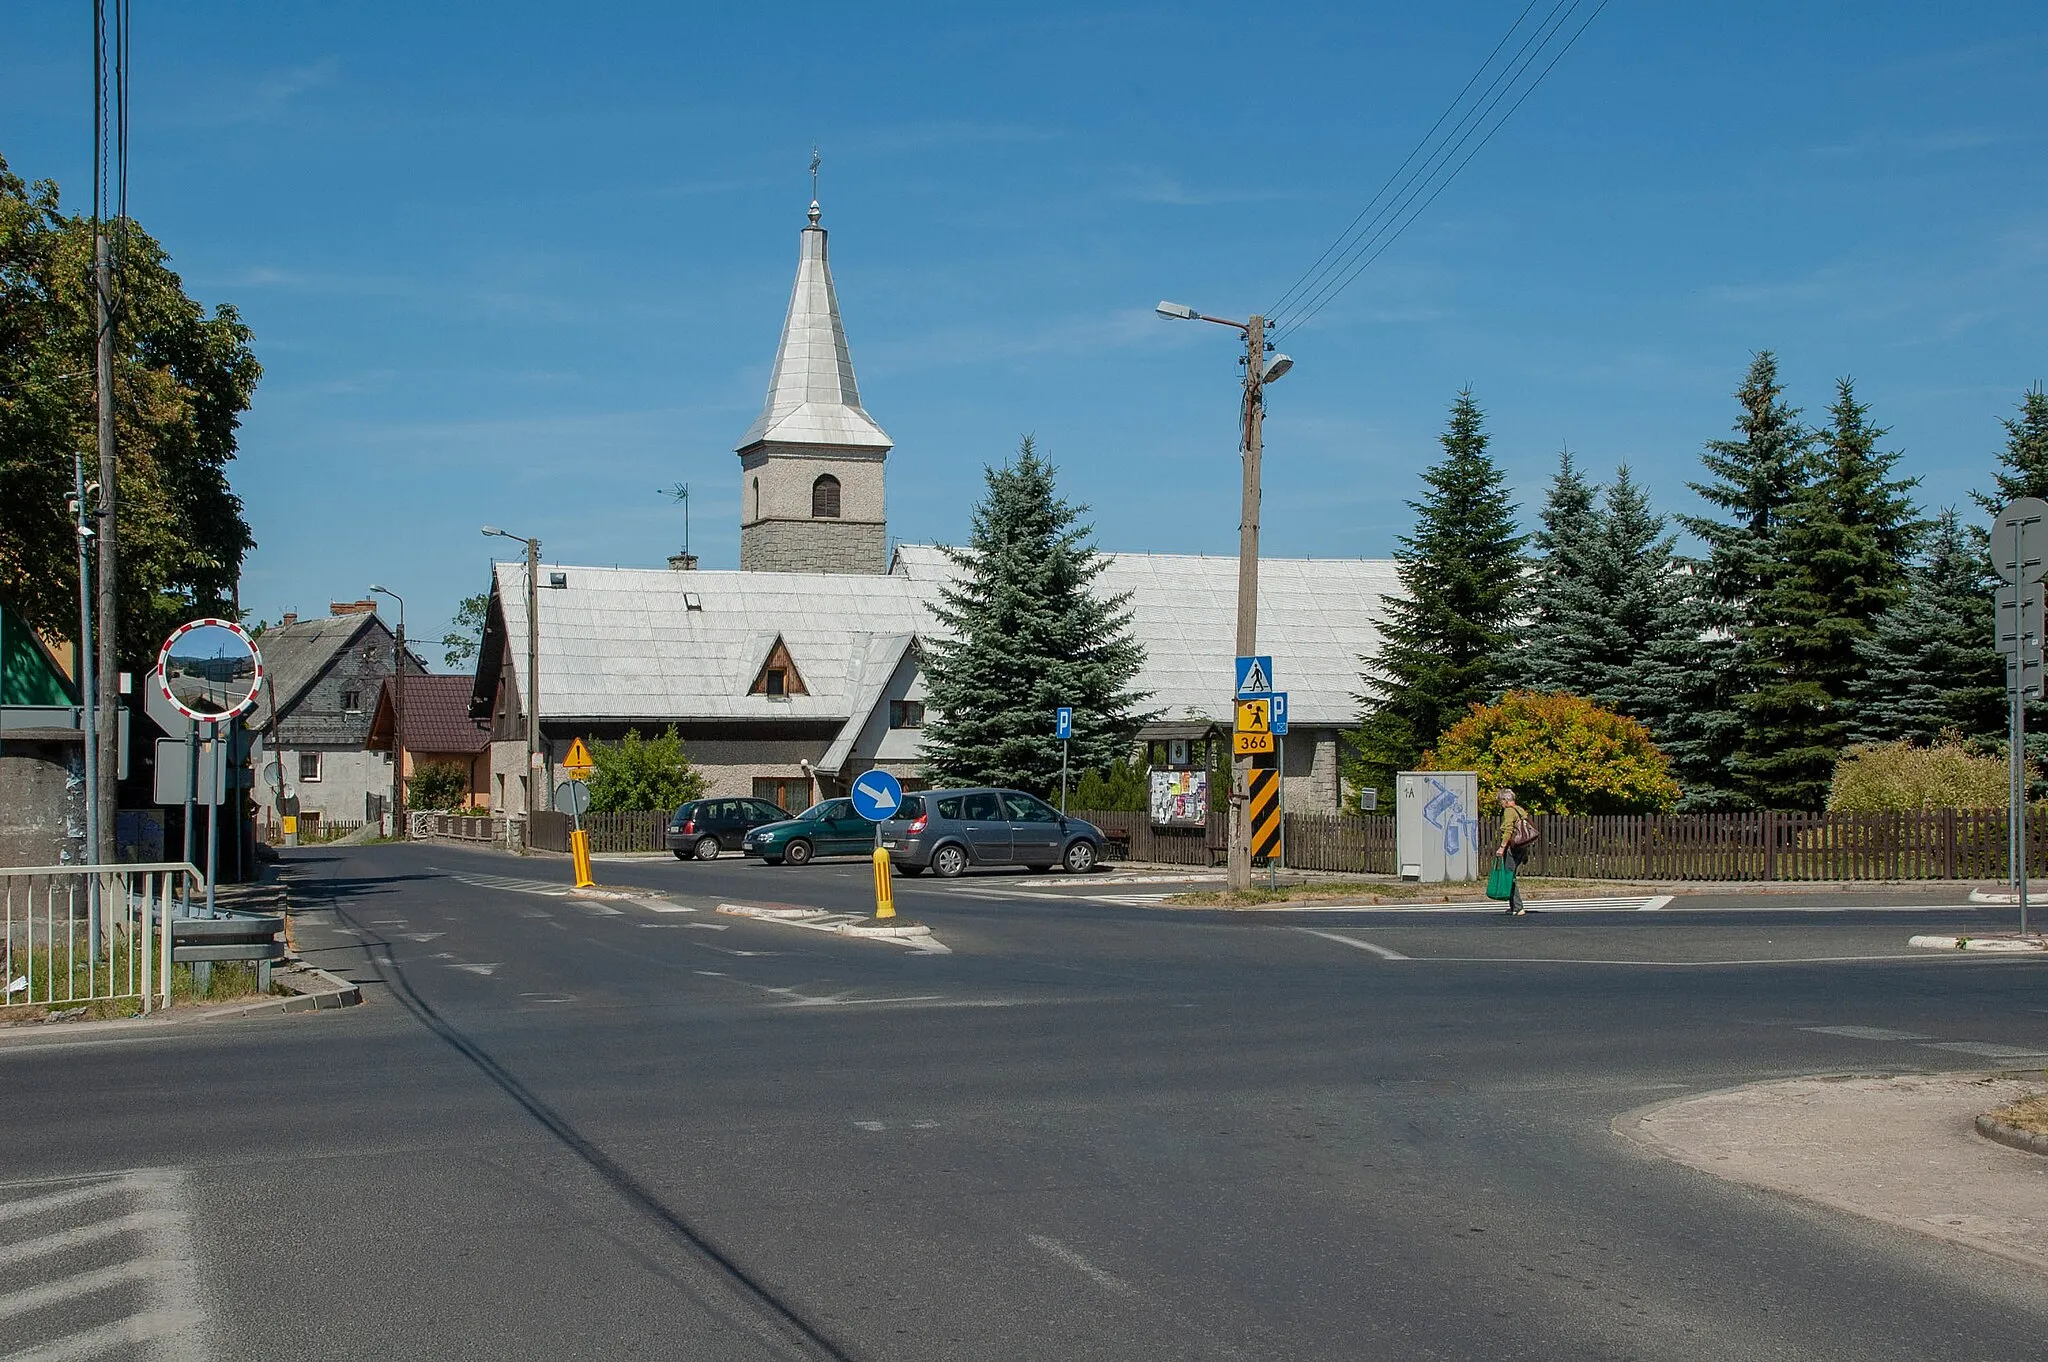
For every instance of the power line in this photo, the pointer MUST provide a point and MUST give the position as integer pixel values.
(1356, 249)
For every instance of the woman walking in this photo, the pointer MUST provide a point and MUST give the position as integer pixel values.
(1517, 835)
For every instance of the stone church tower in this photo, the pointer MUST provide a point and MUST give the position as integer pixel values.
(811, 464)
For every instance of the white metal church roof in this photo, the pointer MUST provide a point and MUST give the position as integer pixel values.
(625, 644)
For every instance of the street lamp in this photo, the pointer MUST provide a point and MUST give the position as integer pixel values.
(397, 720)
(533, 774)
(1260, 368)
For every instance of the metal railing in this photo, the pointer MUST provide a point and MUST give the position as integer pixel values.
(77, 934)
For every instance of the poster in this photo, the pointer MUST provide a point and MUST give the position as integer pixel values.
(1180, 799)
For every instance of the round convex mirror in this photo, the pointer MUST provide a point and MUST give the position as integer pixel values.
(210, 669)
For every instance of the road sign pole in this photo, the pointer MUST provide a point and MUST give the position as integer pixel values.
(1064, 745)
(213, 818)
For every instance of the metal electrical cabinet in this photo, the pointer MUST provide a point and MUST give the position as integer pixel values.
(1436, 826)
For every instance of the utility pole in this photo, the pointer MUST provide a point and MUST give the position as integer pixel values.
(82, 662)
(1259, 370)
(109, 641)
(1240, 853)
(397, 720)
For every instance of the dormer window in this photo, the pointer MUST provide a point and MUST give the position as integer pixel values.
(778, 678)
(825, 498)
(775, 681)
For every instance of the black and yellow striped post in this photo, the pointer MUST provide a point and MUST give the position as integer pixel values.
(1264, 813)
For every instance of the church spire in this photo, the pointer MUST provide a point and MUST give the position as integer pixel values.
(812, 396)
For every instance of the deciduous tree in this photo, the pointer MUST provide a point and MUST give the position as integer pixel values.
(1560, 754)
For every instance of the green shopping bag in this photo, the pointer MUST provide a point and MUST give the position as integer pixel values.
(1501, 883)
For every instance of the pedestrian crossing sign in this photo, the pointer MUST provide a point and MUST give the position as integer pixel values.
(1254, 675)
(578, 763)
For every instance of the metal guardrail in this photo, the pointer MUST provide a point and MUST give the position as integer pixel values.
(77, 934)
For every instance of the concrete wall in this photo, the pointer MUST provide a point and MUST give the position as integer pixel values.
(346, 776)
(814, 546)
(1310, 783)
(42, 802)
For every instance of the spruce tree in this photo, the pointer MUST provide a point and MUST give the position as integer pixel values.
(1443, 640)
(1929, 664)
(1028, 635)
(1702, 686)
(1563, 614)
(1842, 552)
(2025, 455)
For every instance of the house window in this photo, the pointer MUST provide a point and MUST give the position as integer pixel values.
(825, 497)
(776, 681)
(352, 700)
(785, 792)
(309, 766)
(906, 714)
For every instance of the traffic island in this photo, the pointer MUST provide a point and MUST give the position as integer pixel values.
(2005, 943)
(2018, 1125)
(886, 926)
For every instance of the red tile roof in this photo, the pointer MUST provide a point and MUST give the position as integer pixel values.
(436, 717)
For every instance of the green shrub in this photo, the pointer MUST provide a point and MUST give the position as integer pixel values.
(1122, 786)
(1560, 754)
(437, 786)
(1896, 776)
(642, 774)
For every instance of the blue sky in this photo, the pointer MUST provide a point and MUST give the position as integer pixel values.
(526, 264)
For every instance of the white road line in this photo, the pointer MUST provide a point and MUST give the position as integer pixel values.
(653, 907)
(1381, 951)
(1865, 1032)
(708, 926)
(54, 1201)
(79, 1284)
(63, 1241)
(1653, 903)
(167, 1328)
(1108, 1282)
(1988, 1050)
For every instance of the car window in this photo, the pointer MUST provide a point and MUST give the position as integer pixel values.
(768, 811)
(830, 811)
(984, 807)
(1024, 809)
(912, 807)
(685, 813)
(949, 808)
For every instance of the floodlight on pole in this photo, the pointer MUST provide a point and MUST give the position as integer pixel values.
(534, 781)
(1260, 368)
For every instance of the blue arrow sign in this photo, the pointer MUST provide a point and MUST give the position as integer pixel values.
(1277, 713)
(877, 795)
(1063, 722)
(1254, 676)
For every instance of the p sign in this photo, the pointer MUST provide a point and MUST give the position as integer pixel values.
(1063, 722)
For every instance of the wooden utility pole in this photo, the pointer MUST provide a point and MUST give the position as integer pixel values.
(1240, 851)
(535, 775)
(109, 679)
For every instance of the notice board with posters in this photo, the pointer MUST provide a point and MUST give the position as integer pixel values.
(1180, 799)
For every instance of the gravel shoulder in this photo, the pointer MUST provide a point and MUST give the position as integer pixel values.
(1901, 1150)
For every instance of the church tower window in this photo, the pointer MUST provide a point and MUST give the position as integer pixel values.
(825, 498)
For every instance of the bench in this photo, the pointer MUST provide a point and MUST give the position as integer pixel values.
(199, 941)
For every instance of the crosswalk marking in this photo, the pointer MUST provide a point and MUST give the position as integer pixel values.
(100, 1266)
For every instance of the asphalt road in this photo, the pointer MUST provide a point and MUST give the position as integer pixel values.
(1090, 1128)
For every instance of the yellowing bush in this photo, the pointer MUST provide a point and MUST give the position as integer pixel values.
(1560, 753)
(1897, 776)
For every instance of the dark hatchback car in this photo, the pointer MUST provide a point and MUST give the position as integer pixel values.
(702, 828)
(946, 831)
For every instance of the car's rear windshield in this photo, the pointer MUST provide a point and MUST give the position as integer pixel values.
(912, 807)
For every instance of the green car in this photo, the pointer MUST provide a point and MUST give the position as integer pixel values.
(828, 829)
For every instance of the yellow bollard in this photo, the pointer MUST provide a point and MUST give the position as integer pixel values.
(579, 851)
(885, 895)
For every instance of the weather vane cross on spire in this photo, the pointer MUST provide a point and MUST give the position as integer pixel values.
(816, 160)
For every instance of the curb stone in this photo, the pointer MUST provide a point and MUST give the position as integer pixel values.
(1991, 1128)
(335, 992)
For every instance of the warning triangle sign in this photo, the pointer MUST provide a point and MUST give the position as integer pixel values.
(578, 763)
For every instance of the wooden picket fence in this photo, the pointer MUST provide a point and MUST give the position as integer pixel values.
(1935, 844)
(549, 831)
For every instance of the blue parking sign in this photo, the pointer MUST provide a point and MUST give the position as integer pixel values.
(1277, 713)
(1063, 722)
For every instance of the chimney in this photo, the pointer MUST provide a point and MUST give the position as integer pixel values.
(290, 617)
(362, 607)
(683, 562)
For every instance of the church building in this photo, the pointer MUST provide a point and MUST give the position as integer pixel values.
(792, 675)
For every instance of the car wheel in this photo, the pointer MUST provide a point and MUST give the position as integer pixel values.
(909, 871)
(706, 849)
(797, 852)
(948, 862)
(1080, 858)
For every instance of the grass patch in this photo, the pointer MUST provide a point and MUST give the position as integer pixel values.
(2029, 1113)
(232, 980)
(1386, 891)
